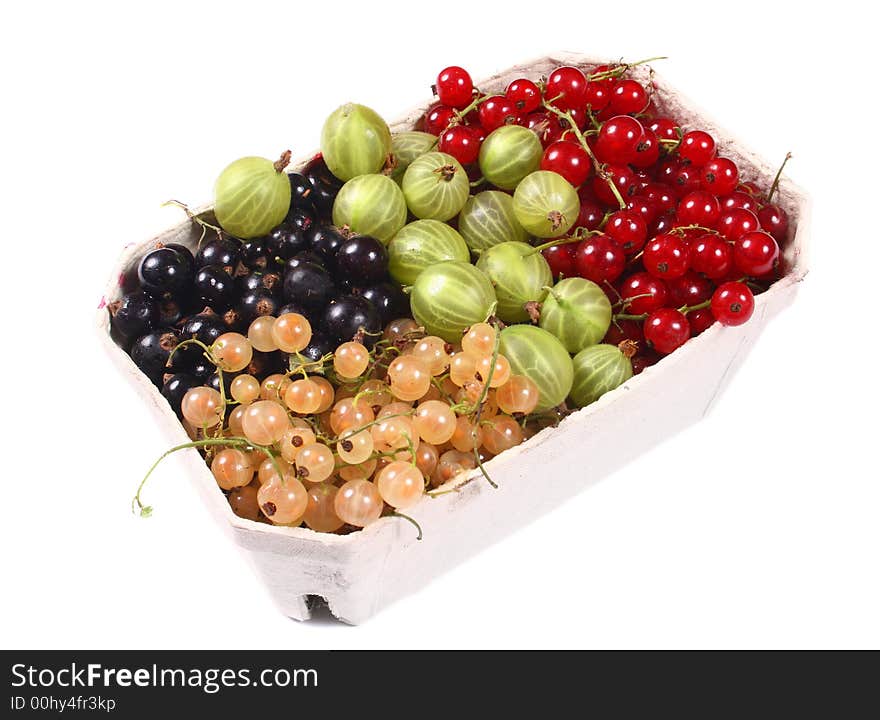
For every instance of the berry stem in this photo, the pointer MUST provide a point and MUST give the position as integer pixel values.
(283, 161)
(236, 442)
(409, 519)
(625, 316)
(775, 186)
(685, 309)
(621, 68)
(204, 224)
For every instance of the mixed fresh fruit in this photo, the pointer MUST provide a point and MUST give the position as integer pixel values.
(352, 337)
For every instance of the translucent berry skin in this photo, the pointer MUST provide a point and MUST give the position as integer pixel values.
(699, 208)
(736, 222)
(455, 87)
(462, 143)
(667, 257)
(358, 503)
(524, 94)
(774, 220)
(666, 330)
(628, 96)
(690, 289)
(755, 253)
(496, 111)
(560, 258)
(697, 147)
(566, 88)
(618, 139)
(719, 176)
(712, 256)
(600, 259)
(732, 303)
(437, 118)
(700, 320)
(654, 290)
(628, 230)
(283, 503)
(568, 159)
(647, 150)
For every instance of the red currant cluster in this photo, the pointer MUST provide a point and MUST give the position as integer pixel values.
(666, 226)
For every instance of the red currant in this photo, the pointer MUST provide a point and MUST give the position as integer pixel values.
(738, 199)
(719, 176)
(774, 220)
(644, 207)
(455, 87)
(737, 222)
(590, 215)
(497, 111)
(566, 88)
(712, 256)
(667, 257)
(462, 143)
(690, 289)
(733, 303)
(538, 123)
(628, 97)
(627, 229)
(700, 320)
(624, 180)
(662, 195)
(621, 330)
(561, 259)
(750, 188)
(699, 208)
(437, 118)
(666, 330)
(697, 147)
(618, 139)
(647, 150)
(643, 361)
(599, 259)
(755, 253)
(598, 96)
(644, 292)
(664, 128)
(524, 94)
(568, 159)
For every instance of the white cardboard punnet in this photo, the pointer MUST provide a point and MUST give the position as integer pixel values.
(358, 574)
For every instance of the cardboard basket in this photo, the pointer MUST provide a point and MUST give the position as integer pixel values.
(360, 573)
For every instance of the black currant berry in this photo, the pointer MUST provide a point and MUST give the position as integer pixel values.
(325, 240)
(319, 346)
(300, 193)
(388, 299)
(255, 303)
(134, 314)
(300, 219)
(150, 353)
(165, 272)
(309, 285)
(215, 287)
(349, 316)
(175, 387)
(255, 255)
(263, 364)
(362, 258)
(223, 251)
(286, 241)
(306, 256)
(266, 280)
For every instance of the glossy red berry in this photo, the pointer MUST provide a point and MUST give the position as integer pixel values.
(569, 159)
(755, 253)
(628, 230)
(667, 257)
(664, 128)
(697, 147)
(618, 139)
(566, 88)
(719, 176)
(644, 293)
(598, 96)
(699, 208)
(662, 196)
(437, 118)
(690, 289)
(732, 303)
(496, 111)
(735, 223)
(621, 330)
(461, 142)
(561, 259)
(624, 180)
(525, 95)
(647, 150)
(643, 361)
(774, 220)
(666, 330)
(750, 188)
(455, 87)
(712, 256)
(590, 215)
(738, 199)
(599, 259)
(628, 97)
(644, 207)
(700, 320)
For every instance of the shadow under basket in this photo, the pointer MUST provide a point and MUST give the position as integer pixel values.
(358, 574)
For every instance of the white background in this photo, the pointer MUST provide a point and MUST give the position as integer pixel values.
(758, 527)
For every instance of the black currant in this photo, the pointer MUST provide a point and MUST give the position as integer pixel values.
(325, 240)
(319, 346)
(255, 255)
(362, 258)
(349, 316)
(206, 328)
(267, 280)
(308, 285)
(255, 303)
(306, 256)
(134, 314)
(300, 193)
(300, 219)
(215, 287)
(165, 272)
(223, 251)
(388, 299)
(150, 353)
(285, 241)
